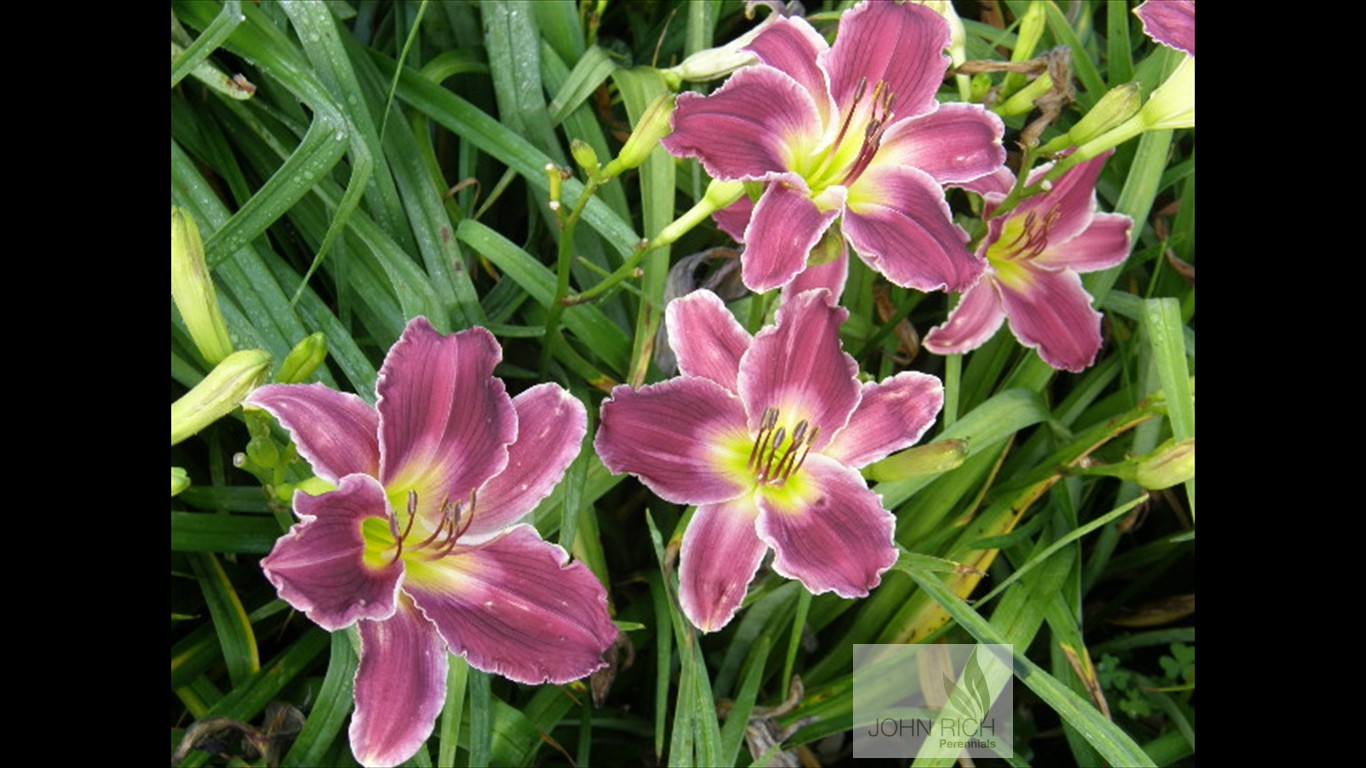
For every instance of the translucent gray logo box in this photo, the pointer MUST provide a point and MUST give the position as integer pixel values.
(933, 700)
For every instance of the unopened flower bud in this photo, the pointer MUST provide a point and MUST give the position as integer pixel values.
(585, 156)
(931, 459)
(1172, 105)
(180, 480)
(1117, 105)
(219, 393)
(192, 290)
(720, 194)
(653, 126)
(1167, 466)
(303, 360)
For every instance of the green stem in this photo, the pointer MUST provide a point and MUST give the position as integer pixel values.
(564, 258)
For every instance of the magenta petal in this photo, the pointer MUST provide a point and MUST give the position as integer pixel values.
(1104, 244)
(998, 184)
(706, 338)
(445, 420)
(899, 45)
(550, 427)
(891, 415)
(793, 46)
(1053, 314)
(1070, 202)
(830, 276)
(799, 367)
(900, 225)
(319, 566)
(976, 318)
(839, 539)
(785, 226)
(671, 435)
(514, 608)
(745, 130)
(335, 432)
(721, 552)
(400, 687)
(953, 144)
(733, 219)
(1170, 22)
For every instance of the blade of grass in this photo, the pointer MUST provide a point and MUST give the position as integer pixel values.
(235, 635)
(457, 675)
(330, 709)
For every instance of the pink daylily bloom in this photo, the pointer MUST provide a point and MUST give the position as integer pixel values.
(765, 434)
(1034, 255)
(848, 136)
(1170, 22)
(419, 544)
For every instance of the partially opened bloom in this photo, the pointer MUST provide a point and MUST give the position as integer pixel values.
(418, 543)
(1034, 254)
(765, 434)
(848, 137)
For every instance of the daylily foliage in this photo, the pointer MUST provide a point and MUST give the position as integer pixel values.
(766, 434)
(418, 543)
(848, 141)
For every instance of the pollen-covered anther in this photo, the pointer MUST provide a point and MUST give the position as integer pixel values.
(774, 458)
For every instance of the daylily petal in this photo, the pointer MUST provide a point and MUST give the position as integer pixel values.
(830, 276)
(891, 415)
(837, 538)
(1070, 202)
(953, 144)
(1104, 244)
(721, 552)
(445, 419)
(400, 686)
(550, 428)
(669, 434)
(883, 42)
(734, 218)
(749, 129)
(900, 224)
(706, 338)
(1170, 22)
(320, 566)
(976, 318)
(799, 368)
(334, 431)
(1052, 312)
(793, 46)
(994, 186)
(785, 226)
(513, 607)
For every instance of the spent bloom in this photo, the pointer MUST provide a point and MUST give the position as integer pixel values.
(849, 141)
(1034, 254)
(418, 543)
(765, 434)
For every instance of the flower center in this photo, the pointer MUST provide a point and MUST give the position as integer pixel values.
(1023, 238)
(455, 518)
(844, 162)
(776, 456)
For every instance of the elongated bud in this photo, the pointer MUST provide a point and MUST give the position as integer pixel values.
(1172, 105)
(585, 156)
(1022, 101)
(1026, 41)
(654, 125)
(931, 459)
(180, 480)
(1117, 105)
(720, 194)
(192, 290)
(219, 393)
(1167, 466)
(303, 360)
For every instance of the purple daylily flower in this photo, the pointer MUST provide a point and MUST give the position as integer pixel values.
(1034, 255)
(1170, 22)
(765, 434)
(848, 136)
(418, 543)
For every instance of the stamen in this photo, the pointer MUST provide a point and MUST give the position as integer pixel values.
(878, 121)
(774, 457)
(393, 525)
(853, 107)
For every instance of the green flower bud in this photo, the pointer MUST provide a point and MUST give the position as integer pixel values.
(585, 156)
(1117, 105)
(192, 290)
(180, 480)
(720, 194)
(1172, 105)
(1167, 466)
(219, 393)
(303, 360)
(654, 125)
(931, 459)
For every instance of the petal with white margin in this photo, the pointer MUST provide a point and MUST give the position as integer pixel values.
(706, 338)
(891, 415)
(977, 317)
(400, 686)
(336, 432)
(721, 552)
